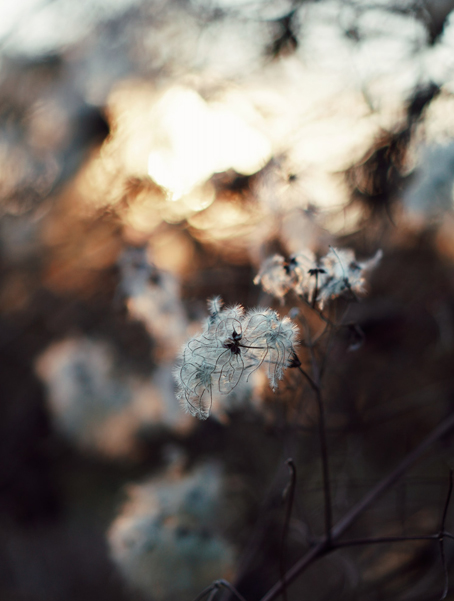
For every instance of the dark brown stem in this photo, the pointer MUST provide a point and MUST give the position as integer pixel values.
(325, 545)
(213, 593)
(441, 539)
(382, 540)
(315, 382)
(308, 378)
(325, 465)
(315, 310)
(289, 495)
(448, 500)
(214, 588)
(445, 570)
(232, 589)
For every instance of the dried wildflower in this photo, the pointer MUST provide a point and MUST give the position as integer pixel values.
(195, 381)
(317, 281)
(101, 407)
(84, 389)
(275, 277)
(153, 297)
(168, 539)
(223, 322)
(214, 308)
(274, 340)
(308, 274)
(231, 347)
(343, 273)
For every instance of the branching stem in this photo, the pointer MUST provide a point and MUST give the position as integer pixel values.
(441, 539)
(215, 586)
(326, 544)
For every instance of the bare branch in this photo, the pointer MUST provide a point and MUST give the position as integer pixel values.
(289, 495)
(325, 545)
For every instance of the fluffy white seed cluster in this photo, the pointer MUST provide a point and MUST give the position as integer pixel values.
(153, 297)
(316, 280)
(232, 345)
(168, 540)
(101, 407)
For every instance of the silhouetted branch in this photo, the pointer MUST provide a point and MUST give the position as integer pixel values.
(214, 587)
(326, 544)
(289, 494)
(382, 540)
(441, 539)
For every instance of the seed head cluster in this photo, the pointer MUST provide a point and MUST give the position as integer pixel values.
(232, 346)
(316, 280)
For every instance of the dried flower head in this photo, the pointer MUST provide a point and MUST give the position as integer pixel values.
(275, 277)
(316, 280)
(231, 347)
(274, 340)
(344, 273)
(168, 540)
(308, 273)
(153, 297)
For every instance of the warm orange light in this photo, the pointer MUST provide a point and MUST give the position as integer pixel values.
(194, 139)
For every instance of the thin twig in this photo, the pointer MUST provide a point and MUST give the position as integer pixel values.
(445, 570)
(322, 436)
(325, 465)
(443, 428)
(232, 589)
(382, 539)
(289, 494)
(448, 500)
(208, 589)
(308, 377)
(213, 593)
(331, 330)
(315, 310)
(441, 539)
(325, 545)
(214, 587)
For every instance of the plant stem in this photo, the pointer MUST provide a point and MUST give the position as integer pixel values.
(441, 540)
(290, 494)
(315, 383)
(326, 544)
(325, 466)
(383, 540)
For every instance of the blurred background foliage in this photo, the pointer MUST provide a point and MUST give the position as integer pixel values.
(152, 155)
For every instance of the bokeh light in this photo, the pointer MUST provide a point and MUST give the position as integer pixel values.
(156, 154)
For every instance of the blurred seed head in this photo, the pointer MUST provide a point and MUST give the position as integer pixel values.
(167, 541)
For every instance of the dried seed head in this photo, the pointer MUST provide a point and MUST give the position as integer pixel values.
(316, 280)
(275, 277)
(231, 347)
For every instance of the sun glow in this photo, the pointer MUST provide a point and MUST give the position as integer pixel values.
(194, 139)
